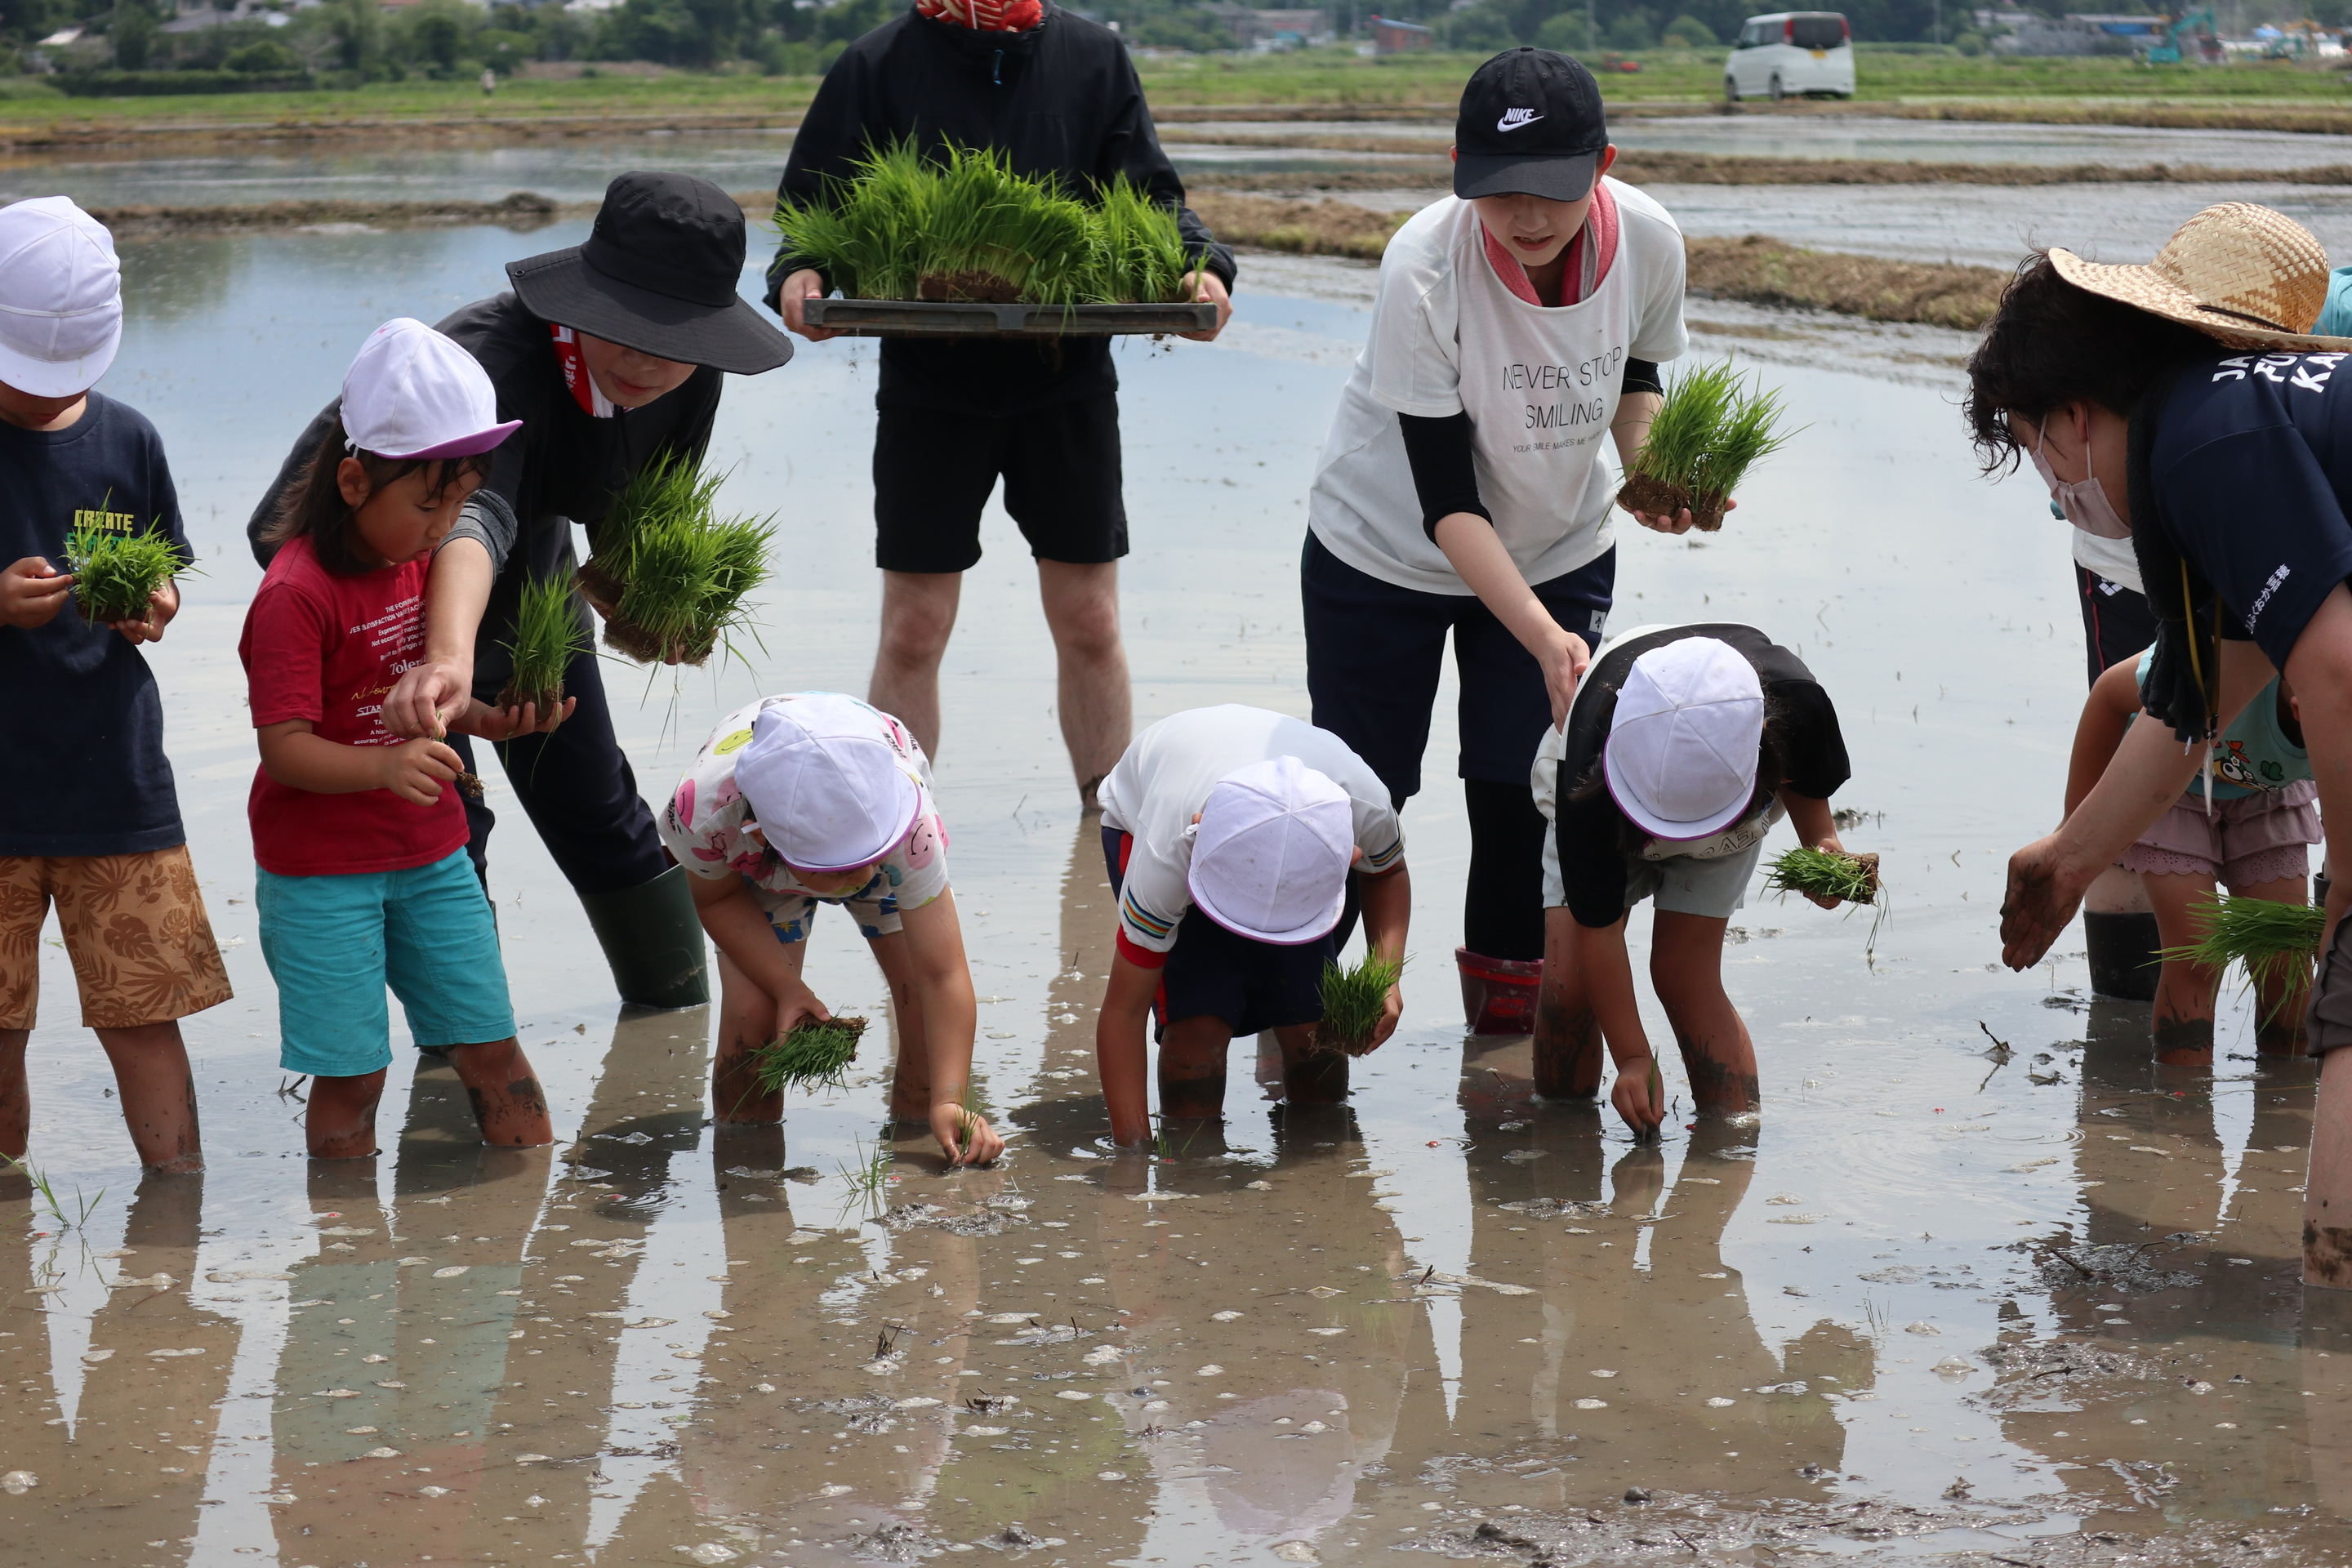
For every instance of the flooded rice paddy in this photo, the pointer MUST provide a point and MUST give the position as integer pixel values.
(1927, 1304)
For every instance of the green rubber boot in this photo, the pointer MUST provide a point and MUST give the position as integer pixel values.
(653, 942)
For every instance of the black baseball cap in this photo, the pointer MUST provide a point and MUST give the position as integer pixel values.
(1530, 124)
(658, 275)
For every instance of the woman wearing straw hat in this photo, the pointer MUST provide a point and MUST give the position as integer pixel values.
(611, 354)
(2185, 405)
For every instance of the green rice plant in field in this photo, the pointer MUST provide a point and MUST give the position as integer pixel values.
(816, 1053)
(1354, 998)
(115, 575)
(1825, 874)
(2277, 942)
(674, 575)
(547, 637)
(1710, 430)
(964, 226)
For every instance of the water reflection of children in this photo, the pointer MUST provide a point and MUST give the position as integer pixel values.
(1255, 820)
(1684, 745)
(1462, 491)
(2252, 835)
(818, 798)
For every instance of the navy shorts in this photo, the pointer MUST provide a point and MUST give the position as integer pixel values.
(933, 472)
(1374, 652)
(1211, 971)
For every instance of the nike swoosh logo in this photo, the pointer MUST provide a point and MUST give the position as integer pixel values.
(1514, 119)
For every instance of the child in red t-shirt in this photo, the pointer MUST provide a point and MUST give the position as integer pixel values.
(361, 839)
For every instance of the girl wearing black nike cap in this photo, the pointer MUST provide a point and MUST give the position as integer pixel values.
(1463, 490)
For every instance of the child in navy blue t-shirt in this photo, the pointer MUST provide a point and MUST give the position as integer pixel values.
(88, 819)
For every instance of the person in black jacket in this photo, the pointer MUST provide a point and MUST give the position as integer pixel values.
(610, 354)
(1058, 95)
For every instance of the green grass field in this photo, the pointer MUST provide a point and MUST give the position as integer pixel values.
(31, 110)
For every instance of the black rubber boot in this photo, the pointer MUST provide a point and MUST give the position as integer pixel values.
(2121, 950)
(653, 942)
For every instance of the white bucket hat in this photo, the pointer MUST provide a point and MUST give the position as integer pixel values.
(60, 298)
(826, 788)
(1271, 851)
(412, 393)
(1682, 749)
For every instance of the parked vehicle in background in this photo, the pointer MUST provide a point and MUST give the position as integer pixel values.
(1789, 53)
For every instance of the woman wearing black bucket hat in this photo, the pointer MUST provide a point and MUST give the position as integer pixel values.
(611, 354)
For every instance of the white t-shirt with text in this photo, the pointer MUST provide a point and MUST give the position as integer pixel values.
(1539, 382)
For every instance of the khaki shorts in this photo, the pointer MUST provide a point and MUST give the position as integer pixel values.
(135, 926)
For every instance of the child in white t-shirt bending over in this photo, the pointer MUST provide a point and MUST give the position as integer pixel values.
(816, 798)
(1232, 835)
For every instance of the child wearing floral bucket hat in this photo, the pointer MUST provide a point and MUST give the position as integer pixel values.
(816, 798)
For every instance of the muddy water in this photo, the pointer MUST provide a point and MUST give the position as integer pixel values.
(2037, 1312)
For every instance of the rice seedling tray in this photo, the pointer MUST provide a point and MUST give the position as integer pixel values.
(960, 317)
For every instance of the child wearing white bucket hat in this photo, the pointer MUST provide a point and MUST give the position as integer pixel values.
(1261, 824)
(1684, 745)
(92, 809)
(816, 798)
(362, 880)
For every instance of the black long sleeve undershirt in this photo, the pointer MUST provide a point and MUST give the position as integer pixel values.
(1444, 454)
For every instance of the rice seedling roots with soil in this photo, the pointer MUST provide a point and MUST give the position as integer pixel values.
(670, 576)
(1353, 1002)
(2277, 942)
(1709, 431)
(1826, 874)
(548, 636)
(116, 574)
(815, 1053)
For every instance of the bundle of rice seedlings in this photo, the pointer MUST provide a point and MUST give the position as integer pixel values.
(1353, 1001)
(1710, 430)
(1825, 874)
(816, 1053)
(674, 575)
(115, 575)
(965, 227)
(2277, 942)
(547, 637)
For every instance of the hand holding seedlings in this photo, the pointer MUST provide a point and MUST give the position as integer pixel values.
(32, 592)
(1361, 1006)
(416, 770)
(1710, 430)
(964, 1133)
(1639, 1094)
(1826, 875)
(669, 576)
(1205, 285)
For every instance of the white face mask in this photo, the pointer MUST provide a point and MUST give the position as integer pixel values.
(2085, 502)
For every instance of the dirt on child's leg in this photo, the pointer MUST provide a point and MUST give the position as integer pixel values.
(2181, 1025)
(508, 1104)
(1567, 1036)
(1193, 1068)
(747, 1021)
(1310, 1077)
(340, 1118)
(15, 1094)
(1686, 968)
(159, 1096)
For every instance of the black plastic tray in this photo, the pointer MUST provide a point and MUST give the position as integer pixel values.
(924, 317)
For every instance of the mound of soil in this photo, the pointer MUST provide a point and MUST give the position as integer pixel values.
(549, 699)
(968, 287)
(1655, 497)
(604, 590)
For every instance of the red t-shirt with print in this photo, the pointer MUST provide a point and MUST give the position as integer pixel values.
(329, 648)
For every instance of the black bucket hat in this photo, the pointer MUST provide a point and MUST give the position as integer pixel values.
(658, 275)
(1532, 124)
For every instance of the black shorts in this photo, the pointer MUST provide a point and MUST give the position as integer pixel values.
(2118, 624)
(933, 471)
(1213, 973)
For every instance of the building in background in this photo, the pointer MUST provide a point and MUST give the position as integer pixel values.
(1266, 31)
(2078, 33)
(1394, 38)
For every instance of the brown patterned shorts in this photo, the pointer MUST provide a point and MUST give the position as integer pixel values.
(135, 926)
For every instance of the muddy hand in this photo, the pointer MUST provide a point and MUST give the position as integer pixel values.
(1635, 1094)
(966, 1136)
(2040, 900)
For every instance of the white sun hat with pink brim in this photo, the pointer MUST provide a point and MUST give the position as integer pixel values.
(413, 393)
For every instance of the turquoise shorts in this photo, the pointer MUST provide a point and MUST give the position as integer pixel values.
(333, 944)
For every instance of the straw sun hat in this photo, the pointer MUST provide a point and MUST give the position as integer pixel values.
(2249, 277)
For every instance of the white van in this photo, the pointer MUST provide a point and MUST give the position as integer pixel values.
(1791, 53)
